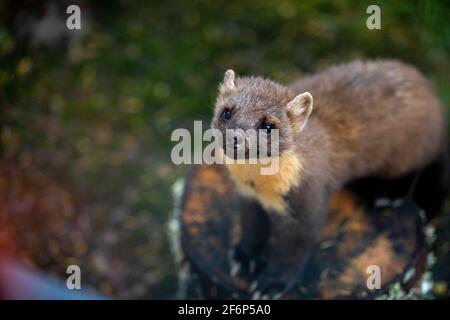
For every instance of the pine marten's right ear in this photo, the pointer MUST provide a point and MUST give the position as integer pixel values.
(228, 80)
(300, 108)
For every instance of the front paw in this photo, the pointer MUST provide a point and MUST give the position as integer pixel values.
(244, 263)
(268, 287)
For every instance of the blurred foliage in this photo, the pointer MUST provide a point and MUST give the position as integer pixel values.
(94, 109)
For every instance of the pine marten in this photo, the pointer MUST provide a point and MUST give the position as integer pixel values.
(360, 119)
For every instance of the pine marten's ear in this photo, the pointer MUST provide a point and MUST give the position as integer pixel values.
(300, 108)
(228, 80)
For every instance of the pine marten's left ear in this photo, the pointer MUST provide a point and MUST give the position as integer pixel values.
(228, 80)
(300, 108)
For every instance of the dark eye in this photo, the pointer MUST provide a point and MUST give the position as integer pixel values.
(267, 126)
(226, 114)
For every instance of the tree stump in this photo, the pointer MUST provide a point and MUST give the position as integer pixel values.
(354, 238)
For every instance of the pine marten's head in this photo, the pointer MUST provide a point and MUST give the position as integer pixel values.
(249, 104)
(259, 104)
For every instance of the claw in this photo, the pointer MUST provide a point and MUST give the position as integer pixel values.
(382, 202)
(253, 286)
(278, 296)
(256, 295)
(235, 267)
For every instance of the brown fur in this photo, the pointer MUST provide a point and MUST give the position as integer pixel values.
(381, 118)
(377, 118)
(268, 189)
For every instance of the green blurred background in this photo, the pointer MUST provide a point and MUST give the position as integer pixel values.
(90, 112)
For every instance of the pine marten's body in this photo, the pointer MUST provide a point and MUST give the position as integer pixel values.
(375, 119)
